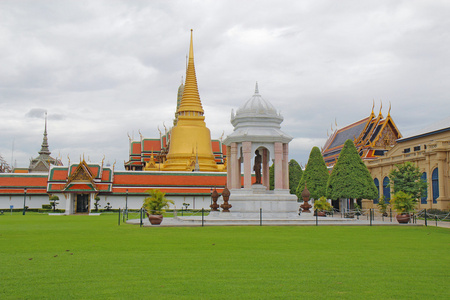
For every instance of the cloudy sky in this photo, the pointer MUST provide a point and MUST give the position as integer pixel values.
(106, 69)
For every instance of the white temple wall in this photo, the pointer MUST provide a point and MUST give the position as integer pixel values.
(32, 201)
(116, 201)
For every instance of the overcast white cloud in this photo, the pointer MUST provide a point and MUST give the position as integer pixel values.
(102, 69)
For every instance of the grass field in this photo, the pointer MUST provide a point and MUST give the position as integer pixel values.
(91, 257)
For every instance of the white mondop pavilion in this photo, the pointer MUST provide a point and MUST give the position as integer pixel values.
(257, 127)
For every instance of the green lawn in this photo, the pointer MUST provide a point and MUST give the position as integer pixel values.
(91, 257)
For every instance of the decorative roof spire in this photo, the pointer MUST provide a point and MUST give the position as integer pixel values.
(44, 146)
(256, 89)
(389, 111)
(191, 99)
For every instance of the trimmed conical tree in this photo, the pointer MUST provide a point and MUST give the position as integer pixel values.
(350, 177)
(315, 175)
(295, 174)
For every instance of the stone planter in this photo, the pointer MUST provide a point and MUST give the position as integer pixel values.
(155, 219)
(404, 218)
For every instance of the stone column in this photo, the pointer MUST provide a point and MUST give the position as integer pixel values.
(239, 173)
(278, 166)
(265, 169)
(429, 191)
(230, 167)
(285, 166)
(442, 179)
(247, 153)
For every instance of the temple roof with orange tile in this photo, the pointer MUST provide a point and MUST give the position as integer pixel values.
(372, 136)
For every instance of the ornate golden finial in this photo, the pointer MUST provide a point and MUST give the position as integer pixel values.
(389, 111)
(381, 106)
(103, 159)
(221, 137)
(129, 137)
(165, 128)
(114, 164)
(68, 159)
(140, 134)
(373, 105)
(335, 122)
(331, 127)
(159, 132)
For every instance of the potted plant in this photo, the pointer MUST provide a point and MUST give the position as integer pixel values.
(403, 203)
(382, 206)
(155, 205)
(321, 206)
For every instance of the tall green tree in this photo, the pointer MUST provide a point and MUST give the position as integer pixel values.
(350, 177)
(407, 178)
(315, 175)
(295, 174)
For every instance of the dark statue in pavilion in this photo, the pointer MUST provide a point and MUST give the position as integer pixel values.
(257, 167)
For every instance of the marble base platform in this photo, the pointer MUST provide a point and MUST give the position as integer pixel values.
(250, 201)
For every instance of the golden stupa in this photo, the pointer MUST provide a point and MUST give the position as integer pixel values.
(190, 140)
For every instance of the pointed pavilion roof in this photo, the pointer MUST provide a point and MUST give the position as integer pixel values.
(190, 102)
(44, 146)
(44, 160)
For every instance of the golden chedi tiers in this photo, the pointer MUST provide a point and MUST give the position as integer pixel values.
(190, 140)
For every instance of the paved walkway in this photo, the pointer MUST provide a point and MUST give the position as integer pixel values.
(308, 220)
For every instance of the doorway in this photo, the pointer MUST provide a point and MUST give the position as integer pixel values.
(82, 203)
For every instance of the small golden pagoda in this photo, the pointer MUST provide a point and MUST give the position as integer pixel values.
(190, 140)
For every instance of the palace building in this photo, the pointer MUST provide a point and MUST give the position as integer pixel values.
(381, 146)
(428, 149)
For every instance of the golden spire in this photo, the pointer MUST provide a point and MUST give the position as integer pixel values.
(190, 139)
(389, 111)
(190, 103)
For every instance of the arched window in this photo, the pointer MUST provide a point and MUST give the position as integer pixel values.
(377, 184)
(435, 184)
(386, 190)
(423, 200)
